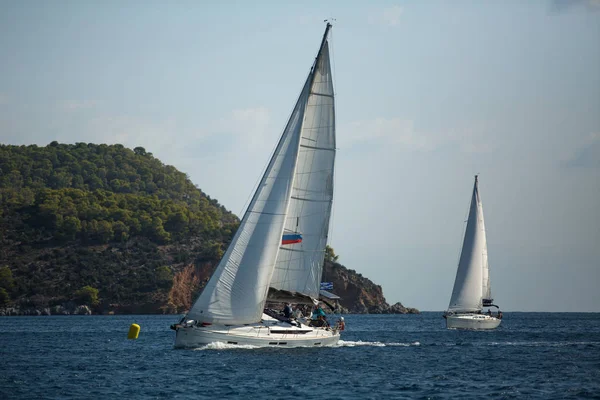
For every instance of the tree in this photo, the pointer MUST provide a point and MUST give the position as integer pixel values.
(4, 297)
(164, 277)
(177, 222)
(87, 295)
(105, 232)
(71, 226)
(121, 231)
(330, 255)
(6, 279)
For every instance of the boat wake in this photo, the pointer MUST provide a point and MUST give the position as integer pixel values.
(226, 346)
(341, 343)
(349, 343)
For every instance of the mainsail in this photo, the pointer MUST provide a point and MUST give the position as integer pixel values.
(299, 266)
(472, 285)
(236, 292)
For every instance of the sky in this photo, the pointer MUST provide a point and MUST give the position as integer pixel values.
(428, 94)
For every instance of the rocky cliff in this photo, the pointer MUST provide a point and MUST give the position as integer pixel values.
(358, 294)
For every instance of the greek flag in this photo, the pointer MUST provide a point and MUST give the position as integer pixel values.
(326, 285)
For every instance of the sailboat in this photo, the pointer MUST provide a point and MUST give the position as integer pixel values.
(472, 289)
(278, 250)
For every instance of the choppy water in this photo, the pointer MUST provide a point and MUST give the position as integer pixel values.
(531, 355)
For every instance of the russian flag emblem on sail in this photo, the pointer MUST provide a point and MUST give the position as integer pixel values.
(291, 238)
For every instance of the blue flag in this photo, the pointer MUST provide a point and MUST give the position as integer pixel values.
(326, 285)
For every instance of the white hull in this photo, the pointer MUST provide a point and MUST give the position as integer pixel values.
(268, 333)
(472, 321)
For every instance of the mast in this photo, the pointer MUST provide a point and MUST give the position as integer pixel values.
(327, 28)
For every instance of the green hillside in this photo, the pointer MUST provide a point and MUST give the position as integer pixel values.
(104, 217)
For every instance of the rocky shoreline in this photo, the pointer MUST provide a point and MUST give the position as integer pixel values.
(72, 309)
(397, 308)
(55, 310)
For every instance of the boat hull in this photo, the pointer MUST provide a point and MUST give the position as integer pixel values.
(472, 321)
(264, 334)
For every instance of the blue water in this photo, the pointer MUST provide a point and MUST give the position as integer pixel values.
(531, 355)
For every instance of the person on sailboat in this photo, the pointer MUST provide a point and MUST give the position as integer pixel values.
(298, 313)
(287, 310)
(317, 311)
(341, 325)
(489, 312)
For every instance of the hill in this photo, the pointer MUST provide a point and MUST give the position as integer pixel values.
(101, 228)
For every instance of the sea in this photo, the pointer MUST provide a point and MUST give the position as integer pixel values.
(530, 356)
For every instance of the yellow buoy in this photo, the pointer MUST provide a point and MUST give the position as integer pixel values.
(134, 331)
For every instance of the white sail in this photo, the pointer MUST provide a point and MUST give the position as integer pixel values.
(299, 266)
(472, 276)
(487, 286)
(237, 290)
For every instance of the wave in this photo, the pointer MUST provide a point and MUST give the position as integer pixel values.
(542, 344)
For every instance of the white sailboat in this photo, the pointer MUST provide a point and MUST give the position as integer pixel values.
(472, 290)
(278, 251)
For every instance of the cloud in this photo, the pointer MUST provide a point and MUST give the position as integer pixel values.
(247, 126)
(394, 131)
(401, 134)
(75, 105)
(587, 155)
(388, 16)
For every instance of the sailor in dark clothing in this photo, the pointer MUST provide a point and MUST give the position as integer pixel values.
(287, 310)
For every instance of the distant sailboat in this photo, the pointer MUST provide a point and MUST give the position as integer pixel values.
(278, 251)
(472, 289)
